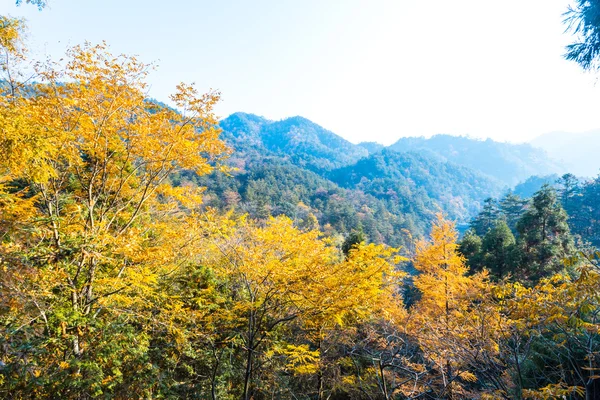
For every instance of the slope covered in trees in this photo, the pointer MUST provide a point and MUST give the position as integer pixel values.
(411, 180)
(303, 142)
(388, 195)
(270, 186)
(408, 186)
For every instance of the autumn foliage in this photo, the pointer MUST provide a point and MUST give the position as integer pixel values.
(117, 283)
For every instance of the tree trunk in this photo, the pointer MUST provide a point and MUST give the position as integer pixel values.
(383, 383)
(449, 394)
(319, 376)
(248, 375)
(249, 356)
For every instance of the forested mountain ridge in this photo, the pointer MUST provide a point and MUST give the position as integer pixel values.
(311, 146)
(305, 143)
(371, 147)
(299, 169)
(507, 162)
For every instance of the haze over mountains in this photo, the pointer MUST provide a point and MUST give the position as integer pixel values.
(303, 142)
(507, 162)
(580, 152)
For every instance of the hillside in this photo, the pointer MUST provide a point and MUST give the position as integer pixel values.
(509, 163)
(297, 168)
(303, 142)
(401, 177)
(371, 147)
(271, 186)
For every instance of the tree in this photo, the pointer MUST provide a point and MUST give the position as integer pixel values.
(291, 295)
(568, 189)
(353, 240)
(362, 289)
(13, 55)
(544, 237)
(558, 317)
(569, 193)
(587, 219)
(92, 225)
(456, 325)
(512, 208)
(470, 248)
(486, 218)
(497, 250)
(583, 20)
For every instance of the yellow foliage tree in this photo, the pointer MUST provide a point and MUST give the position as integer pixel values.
(281, 277)
(560, 313)
(454, 321)
(89, 225)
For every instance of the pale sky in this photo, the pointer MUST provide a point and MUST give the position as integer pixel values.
(369, 70)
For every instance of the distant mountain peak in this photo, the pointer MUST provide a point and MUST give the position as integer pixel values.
(242, 116)
(579, 151)
(302, 141)
(300, 120)
(371, 147)
(510, 163)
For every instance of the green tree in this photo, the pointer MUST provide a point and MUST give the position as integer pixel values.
(353, 240)
(569, 192)
(544, 236)
(512, 207)
(470, 248)
(583, 20)
(588, 226)
(497, 249)
(486, 219)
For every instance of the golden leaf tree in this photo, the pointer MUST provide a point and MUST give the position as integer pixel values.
(454, 322)
(289, 291)
(557, 324)
(89, 224)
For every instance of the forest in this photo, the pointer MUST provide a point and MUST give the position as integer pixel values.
(156, 252)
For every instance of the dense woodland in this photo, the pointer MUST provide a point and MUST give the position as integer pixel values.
(154, 252)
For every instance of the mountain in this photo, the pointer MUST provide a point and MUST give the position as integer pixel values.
(297, 168)
(303, 142)
(534, 183)
(409, 181)
(508, 163)
(371, 147)
(578, 151)
(273, 186)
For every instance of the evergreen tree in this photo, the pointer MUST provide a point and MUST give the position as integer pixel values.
(587, 223)
(486, 219)
(544, 236)
(512, 207)
(470, 248)
(583, 19)
(569, 187)
(569, 192)
(497, 249)
(355, 238)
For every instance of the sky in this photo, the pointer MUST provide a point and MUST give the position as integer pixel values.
(368, 70)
